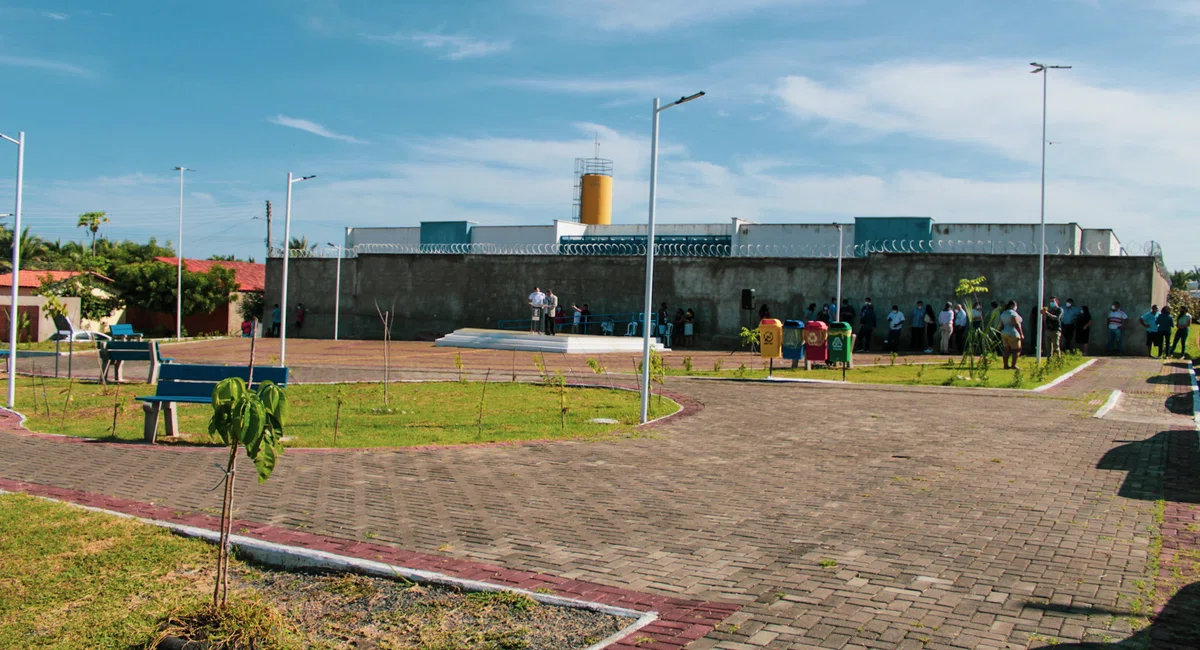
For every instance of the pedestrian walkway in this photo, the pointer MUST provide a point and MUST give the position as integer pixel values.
(833, 515)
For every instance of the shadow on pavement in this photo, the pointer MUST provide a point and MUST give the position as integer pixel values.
(1165, 466)
(1176, 628)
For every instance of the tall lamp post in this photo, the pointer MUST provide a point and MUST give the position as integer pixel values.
(16, 270)
(646, 315)
(337, 291)
(287, 252)
(840, 316)
(179, 261)
(1044, 70)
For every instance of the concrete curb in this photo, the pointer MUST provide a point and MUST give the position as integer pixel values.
(1109, 404)
(289, 557)
(1045, 387)
(1195, 394)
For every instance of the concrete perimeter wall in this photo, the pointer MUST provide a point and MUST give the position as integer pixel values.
(436, 294)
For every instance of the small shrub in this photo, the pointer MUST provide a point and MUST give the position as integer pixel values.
(920, 373)
(687, 365)
(717, 365)
(893, 361)
(1018, 378)
(740, 373)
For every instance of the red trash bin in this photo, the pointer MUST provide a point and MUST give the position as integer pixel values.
(816, 334)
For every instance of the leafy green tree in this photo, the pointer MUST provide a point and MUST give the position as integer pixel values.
(253, 305)
(95, 300)
(92, 221)
(151, 286)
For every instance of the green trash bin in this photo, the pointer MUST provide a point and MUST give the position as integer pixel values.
(840, 344)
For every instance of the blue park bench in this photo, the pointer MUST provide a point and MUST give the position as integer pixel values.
(113, 354)
(193, 384)
(124, 332)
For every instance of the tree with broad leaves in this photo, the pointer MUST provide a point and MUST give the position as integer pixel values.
(244, 418)
(152, 286)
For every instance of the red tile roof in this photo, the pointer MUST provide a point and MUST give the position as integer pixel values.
(33, 279)
(249, 276)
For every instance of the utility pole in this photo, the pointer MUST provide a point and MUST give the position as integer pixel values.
(268, 230)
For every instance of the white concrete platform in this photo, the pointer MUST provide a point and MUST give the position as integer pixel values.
(559, 344)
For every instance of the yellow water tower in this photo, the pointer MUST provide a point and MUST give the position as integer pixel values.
(593, 190)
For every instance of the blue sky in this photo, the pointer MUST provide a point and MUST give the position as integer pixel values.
(407, 111)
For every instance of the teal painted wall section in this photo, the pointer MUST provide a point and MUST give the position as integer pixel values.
(445, 232)
(874, 230)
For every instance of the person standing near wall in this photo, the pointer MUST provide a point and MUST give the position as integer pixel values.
(536, 300)
(946, 328)
(961, 320)
(846, 313)
(689, 328)
(550, 311)
(895, 320)
(299, 317)
(1149, 321)
(866, 328)
(917, 323)
(1011, 333)
(276, 319)
(1182, 327)
(1166, 323)
(1083, 329)
(1052, 327)
(1069, 316)
(1116, 329)
(930, 320)
(576, 317)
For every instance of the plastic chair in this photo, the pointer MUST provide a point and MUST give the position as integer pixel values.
(607, 328)
(631, 329)
(669, 329)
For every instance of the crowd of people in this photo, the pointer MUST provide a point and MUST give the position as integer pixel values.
(1065, 327)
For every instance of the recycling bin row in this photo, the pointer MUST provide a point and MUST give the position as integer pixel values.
(814, 342)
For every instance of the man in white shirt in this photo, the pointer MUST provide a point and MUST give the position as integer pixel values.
(537, 300)
(946, 327)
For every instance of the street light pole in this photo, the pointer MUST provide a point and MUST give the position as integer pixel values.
(1044, 70)
(13, 321)
(841, 316)
(287, 250)
(337, 291)
(649, 304)
(179, 261)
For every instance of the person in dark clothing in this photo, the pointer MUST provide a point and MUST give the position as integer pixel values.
(930, 319)
(1166, 323)
(916, 321)
(866, 327)
(1083, 329)
(846, 313)
(764, 312)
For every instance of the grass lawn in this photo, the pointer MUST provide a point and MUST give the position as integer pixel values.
(417, 414)
(927, 374)
(77, 580)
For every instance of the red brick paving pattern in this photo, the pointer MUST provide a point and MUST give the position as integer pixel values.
(951, 515)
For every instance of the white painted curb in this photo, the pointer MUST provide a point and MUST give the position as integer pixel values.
(1079, 369)
(1109, 404)
(290, 557)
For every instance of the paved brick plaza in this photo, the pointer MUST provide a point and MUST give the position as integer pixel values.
(836, 516)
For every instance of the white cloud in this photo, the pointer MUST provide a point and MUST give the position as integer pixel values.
(452, 46)
(313, 128)
(656, 15)
(45, 64)
(55, 15)
(1109, 133)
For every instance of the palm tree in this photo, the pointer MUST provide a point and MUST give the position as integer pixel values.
(92, 221)
(301, 248)
(33, 248)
